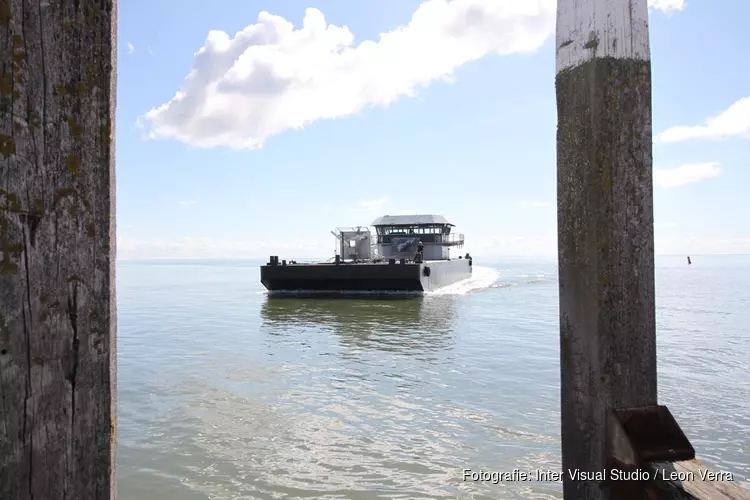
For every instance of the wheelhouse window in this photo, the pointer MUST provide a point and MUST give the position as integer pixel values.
(413, 230)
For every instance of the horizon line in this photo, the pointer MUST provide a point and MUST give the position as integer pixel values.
(549, 256)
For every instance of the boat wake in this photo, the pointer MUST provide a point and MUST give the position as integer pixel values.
(537, 281)
(481, 278)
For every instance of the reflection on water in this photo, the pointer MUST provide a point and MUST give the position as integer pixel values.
(225, 394)
(417, 324)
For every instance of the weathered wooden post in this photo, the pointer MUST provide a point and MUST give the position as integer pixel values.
(610, 417)
(605, 225)
(57, 249)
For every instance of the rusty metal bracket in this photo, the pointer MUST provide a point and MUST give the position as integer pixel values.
(646, 434)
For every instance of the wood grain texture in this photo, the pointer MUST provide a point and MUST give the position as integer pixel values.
(605, 256)
(57, 249)
(605, 235)
(606, 245)
(590, 29)
(685, 480)
(697, 480)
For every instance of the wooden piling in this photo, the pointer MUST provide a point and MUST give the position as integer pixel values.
(605, 225)
(606, 250)
(690, 480)
(57, 249)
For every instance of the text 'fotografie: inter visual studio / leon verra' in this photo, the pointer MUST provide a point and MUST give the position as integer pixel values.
(605, 475)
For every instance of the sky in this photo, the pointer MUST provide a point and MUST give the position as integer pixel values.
(252, 128)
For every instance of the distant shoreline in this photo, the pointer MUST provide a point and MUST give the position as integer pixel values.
(488, 259)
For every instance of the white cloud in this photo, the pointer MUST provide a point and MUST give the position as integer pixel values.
(535, 204)
(686, 174)
(373, 204)
(667, 5)
(320, 248)
(187, 203)
(220, 248)
(703, 245)
(131, 48)
(271, 77)
(543, 244)
(733, 122)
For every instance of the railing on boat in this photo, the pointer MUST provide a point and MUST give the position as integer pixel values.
(453, 240)
(446, 240)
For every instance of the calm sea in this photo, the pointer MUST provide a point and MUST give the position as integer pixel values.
(227, 394)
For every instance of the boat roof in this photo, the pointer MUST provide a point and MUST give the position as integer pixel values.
(410, 220)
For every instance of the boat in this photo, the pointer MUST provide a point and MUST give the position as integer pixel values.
(408, 254)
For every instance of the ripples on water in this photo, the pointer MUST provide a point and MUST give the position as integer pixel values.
(225, 393)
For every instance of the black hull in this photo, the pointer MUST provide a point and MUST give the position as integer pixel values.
(363, 278)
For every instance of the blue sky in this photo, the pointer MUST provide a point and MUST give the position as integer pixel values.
(452, 112)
